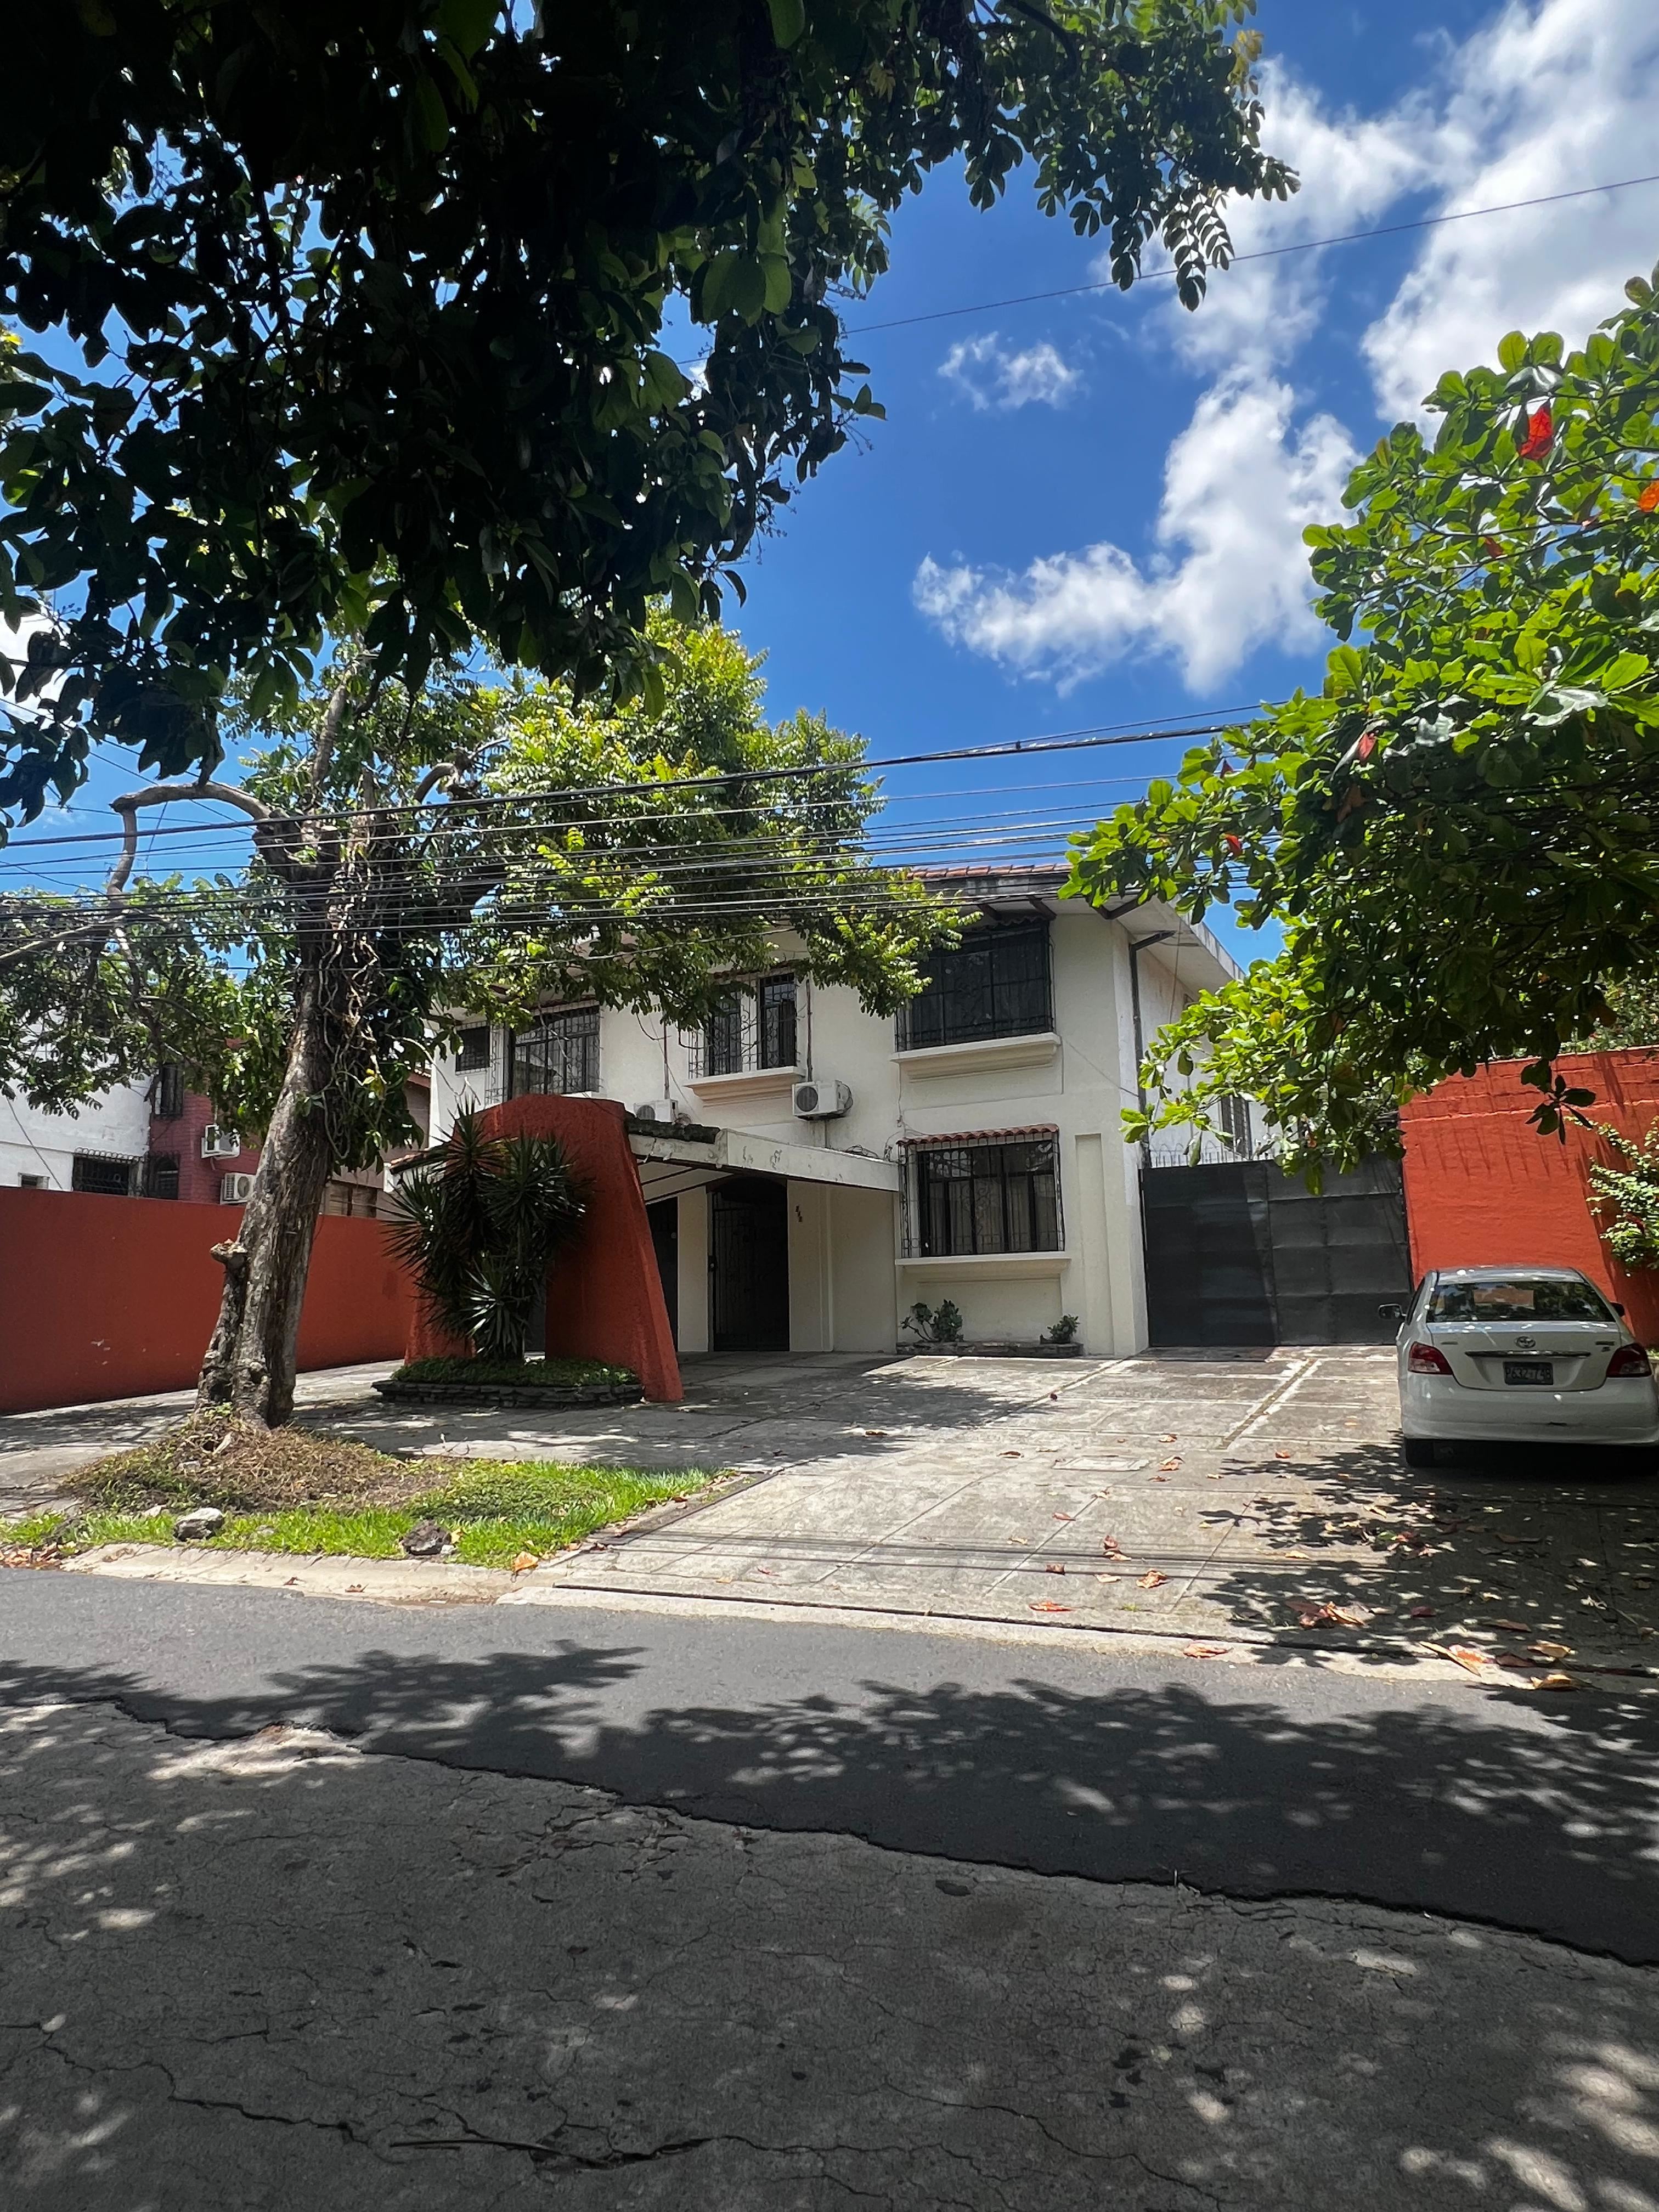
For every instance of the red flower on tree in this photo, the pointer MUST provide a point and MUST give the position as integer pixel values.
(1366, 746)
(1541, 429)
(1649, 498)
(1234, 844)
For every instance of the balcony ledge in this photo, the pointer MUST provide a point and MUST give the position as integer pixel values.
(992, 1267)
(981, 1055)
(747, 1083)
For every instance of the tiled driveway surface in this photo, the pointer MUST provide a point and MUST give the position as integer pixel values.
(1202, 1495)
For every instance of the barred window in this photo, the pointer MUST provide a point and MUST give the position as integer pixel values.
(161, 1175)
(561, 1055)
(170, 1091)
(984, 1195)
(472, 1049)
(994, 984)
(96, 1171)
(753, 1026)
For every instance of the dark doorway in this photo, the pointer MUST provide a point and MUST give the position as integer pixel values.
(749, 1266)
(665, 1219)
(1239, 1253)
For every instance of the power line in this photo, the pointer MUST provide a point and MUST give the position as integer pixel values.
(1261, 253)
(1083, 741)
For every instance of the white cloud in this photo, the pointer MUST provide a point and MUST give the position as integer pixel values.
(1550, 95)
(1548, 98)
(992, 376)
(1228, 574)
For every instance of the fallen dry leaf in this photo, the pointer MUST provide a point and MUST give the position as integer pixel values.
(1422, 1613)
(1545, 1650)
(1203, 1651)
(1054, 1567)
(354, 1590)
(1513, 1627)
(1283, 1454)
(1153, 1579)
(1112, 1548)
(524, 1562)
(1160, 1478)
(1047, 1605)
(1170, 1440)
(1555, 1682)
(1170, 1466)
(878, 1432)
(1064, 1516)
(1476, 1663)
(1010, 1454)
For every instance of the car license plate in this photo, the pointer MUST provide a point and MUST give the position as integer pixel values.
(1529, 1370)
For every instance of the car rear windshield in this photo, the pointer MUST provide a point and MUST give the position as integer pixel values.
(1518, 1297)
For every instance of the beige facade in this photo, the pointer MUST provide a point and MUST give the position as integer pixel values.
(862, 1243)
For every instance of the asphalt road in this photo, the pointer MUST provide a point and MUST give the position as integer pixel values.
(1264, 1782)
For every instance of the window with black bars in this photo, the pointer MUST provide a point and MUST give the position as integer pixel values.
(995, 983)
(983, 1195)
(159, 1178)
(96, 1171)
(559, 1054)
(752, 1027)
(472, 1050)
(170, 1091)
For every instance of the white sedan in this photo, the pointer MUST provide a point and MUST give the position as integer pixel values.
(1519, 1355)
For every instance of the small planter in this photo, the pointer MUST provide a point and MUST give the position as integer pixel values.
(991, 1349)
(530, 1397)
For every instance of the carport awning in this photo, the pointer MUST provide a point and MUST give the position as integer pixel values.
(670, 1163)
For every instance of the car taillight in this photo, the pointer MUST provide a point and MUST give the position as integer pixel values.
(1629, 1360)
(1423, 1359)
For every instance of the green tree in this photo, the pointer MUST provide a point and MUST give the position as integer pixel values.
(1456, 834)
(364, 318)
(414, 853)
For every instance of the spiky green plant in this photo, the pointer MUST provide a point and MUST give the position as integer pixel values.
(479, 1224)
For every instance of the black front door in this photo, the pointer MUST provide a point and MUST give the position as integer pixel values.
(749, 1266)
(665, 1219)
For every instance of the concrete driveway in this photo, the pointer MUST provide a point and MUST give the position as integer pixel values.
(1227, 1497)
(1213, 1495)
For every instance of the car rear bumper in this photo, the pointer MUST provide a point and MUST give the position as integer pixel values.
(1623, 1411)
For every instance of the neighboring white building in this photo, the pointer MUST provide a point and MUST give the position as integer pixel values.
(978, 1155)
(100, 1146)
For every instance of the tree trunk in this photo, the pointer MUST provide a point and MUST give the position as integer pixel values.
(250, 1361)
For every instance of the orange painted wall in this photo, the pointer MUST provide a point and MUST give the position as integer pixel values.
(1482, 1189)
(605, 1296)
(113, 1297)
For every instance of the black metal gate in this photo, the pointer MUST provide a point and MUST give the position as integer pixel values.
(749, 1266)
(1239, 1253)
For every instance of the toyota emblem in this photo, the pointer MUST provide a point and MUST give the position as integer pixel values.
(1526, 1344)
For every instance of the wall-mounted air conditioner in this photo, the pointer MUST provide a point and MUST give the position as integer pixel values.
(821, 1099)
(235, 1189)
(655, 1110)
(220, 1143)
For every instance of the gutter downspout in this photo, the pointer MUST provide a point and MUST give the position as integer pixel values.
(1137, 946)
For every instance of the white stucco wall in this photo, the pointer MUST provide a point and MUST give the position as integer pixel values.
(34, 1143)
(849, 1280)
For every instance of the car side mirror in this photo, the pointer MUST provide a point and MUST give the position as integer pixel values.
(1391, 1313)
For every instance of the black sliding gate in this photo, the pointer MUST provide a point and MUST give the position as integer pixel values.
(1242, 1254)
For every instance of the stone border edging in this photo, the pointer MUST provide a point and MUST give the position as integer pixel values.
(508, 1396)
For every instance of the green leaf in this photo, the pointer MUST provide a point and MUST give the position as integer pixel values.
(468, 23)
(431, 115)
(788, 19)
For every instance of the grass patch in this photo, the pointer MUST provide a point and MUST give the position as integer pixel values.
(297, 1491)
(523, 1374)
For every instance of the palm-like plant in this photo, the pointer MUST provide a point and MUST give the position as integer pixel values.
(479, 1224)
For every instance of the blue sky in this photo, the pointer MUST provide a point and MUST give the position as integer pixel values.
(1110, 493)
(1088, 511)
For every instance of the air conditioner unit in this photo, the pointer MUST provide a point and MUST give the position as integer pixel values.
(822, 1099)
(655, 1110)
(235, 1189)
(219, 1143)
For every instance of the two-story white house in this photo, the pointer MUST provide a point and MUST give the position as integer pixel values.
(812, 1170)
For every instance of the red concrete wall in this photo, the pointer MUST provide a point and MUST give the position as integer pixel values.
(605, 1296)
(1484, 1189)
(112, 1297)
